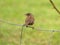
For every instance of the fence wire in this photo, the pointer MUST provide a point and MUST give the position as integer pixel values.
(38, 29)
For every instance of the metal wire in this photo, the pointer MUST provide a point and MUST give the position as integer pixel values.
(50, 38)
(38, 29)
(21, 36)
(10, 23)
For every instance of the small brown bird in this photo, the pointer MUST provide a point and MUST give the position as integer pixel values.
(29, 19)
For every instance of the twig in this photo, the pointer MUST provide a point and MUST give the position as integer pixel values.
(54, 6)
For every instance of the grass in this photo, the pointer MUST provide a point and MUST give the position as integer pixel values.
(45, 17)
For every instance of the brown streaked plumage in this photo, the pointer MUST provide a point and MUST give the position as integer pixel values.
(29, 19)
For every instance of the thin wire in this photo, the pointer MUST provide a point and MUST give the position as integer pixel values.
(10, 23)
(50, 38)
(38, 29)
(21, 36)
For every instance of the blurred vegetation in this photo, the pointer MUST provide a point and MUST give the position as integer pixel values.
(45, 18)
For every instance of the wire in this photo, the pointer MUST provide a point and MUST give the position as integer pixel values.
(38, 29)
(21, 36)
(10, 23)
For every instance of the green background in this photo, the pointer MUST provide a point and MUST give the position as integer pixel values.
(45, 18)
